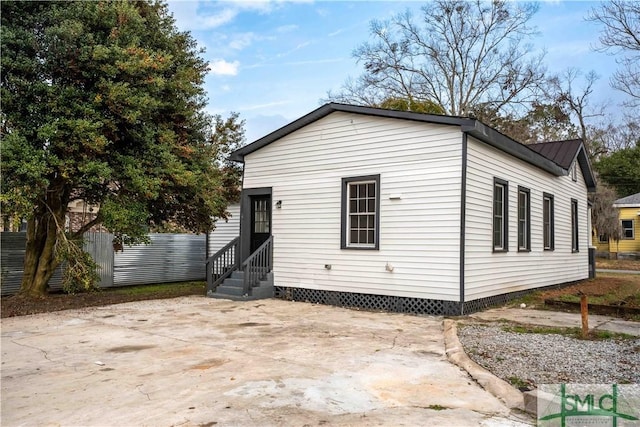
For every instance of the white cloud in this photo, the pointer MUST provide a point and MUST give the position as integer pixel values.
(240, 41)
(218, 19)
(221, 67)
(207, 15)
(287, 28)
(265, 105)
(290, 51)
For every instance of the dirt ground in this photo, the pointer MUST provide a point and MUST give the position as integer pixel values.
(618, 264)
(627, 287)
(619, 289)
(18, 306)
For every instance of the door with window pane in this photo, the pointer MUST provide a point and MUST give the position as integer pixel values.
(260, 220)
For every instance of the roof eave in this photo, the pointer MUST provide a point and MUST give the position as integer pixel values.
(626, 205)
(503, 143)
(327, 109)
(316, 114)
(587, 172)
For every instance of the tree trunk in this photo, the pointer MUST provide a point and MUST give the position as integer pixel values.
(40, 258)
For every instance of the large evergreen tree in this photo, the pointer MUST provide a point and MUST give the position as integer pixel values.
(103, 102)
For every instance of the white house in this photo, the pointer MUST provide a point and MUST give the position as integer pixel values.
(409, 212)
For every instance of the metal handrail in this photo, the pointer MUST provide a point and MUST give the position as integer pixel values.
(221, 264)
(258, 265)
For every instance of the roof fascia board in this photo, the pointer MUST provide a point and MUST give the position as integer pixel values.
(587, 172)
(473, 127)
(494, 138)
(303, 121)
(626, 205)
(327, 109)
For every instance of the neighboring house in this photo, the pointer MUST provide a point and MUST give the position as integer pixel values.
(629, 245)
(80, 213)
(406, 212)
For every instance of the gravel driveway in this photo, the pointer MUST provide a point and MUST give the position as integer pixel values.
(195, 361)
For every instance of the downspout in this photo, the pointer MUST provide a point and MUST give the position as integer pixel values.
(463, 205)
(242, 213)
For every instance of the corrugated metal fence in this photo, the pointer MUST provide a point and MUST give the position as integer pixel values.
(169, 258)
(11, 263)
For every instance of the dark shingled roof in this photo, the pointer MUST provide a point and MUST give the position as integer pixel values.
(633, 199)
(562, 153)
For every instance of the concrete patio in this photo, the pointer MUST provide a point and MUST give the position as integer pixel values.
(197, 361)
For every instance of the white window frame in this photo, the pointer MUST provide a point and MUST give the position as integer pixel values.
(624, 229)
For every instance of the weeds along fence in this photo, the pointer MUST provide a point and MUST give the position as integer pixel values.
(168, 258)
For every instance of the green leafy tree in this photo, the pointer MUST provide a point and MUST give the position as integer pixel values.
(541, 123)
(409, 104)
(103, 102)
(621, 170)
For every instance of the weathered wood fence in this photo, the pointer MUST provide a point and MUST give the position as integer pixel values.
(169, 258)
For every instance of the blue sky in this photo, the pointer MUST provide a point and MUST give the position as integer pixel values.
(273, 61)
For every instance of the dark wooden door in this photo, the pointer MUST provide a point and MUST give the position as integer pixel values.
(260, 220)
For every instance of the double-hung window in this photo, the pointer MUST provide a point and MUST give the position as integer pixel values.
(547, 222)
(500, 215)
(575, 247)
(361, 212)
(627, 229)
(524, 219)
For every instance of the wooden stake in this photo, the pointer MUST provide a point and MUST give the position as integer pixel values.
(584, 311)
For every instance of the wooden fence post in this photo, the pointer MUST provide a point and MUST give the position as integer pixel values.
(584, 312)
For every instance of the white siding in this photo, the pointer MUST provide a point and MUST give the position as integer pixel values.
(488, 273)
(419, 233)
(226, 230)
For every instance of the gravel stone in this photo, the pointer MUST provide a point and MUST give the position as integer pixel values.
(551, 358)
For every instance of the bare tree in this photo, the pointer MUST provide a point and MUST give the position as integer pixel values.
(459, 54)
(620, 36)
(572, 92)
(604, 215)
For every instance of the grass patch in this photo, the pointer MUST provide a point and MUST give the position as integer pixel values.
(609, 289)
(437, 407)
(519, 383)
(596, 335)
(18, 305)
(159, 289)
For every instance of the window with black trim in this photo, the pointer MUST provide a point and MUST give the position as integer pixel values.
(360, 212)
(547, 222)
(524, 219)
(500, 215)
(627, 229)
(574, 226)
(603, 238)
